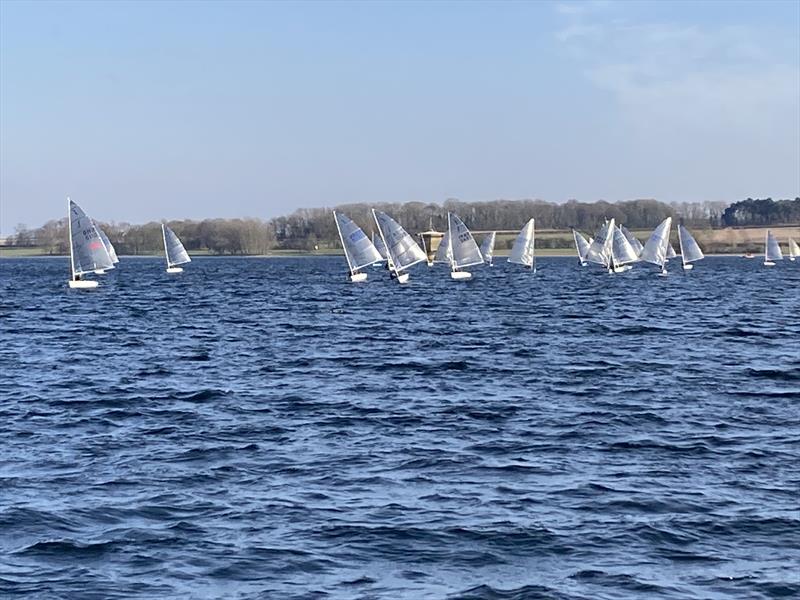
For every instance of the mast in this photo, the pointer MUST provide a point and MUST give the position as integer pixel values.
(389, 261)
(341, 239)
(680, 245)
(71, 251)
(166, 252)
(450, 243)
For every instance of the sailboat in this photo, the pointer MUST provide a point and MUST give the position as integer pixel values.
(772, 250)
(487, 247)
(401, 248)
(522, 252)
(581, 247)
(622, 253)
(464, 252)
(600, 249)
(794, 250)
(358, 249)
(656, 248)
(173, 249)
(87, 253)
(109, 247)
(690, 251)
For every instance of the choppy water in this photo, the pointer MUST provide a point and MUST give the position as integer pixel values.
(261, 428)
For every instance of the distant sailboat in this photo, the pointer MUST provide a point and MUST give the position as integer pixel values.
(403, 251)
(464, 252)
(622, 253)
(523, 250)
(656, 248)
(487, 247)
(359, 251)
(772, 250)
(794, 250)
(87, 254)
(174, 251)
(581, 247)
(109, 247)
(690, 251)
(671, 252)
(600, 249)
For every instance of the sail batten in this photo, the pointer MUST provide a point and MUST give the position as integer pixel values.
(487, 247)
(464, 251)
(88, 253)
(690, 250)
(358, 248)
(403, 251)
(173, 248)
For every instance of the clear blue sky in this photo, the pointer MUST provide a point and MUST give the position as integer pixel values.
(150, 110)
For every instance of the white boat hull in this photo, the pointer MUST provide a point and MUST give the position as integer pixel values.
(791, 258)
(663, 273)
(358, 277)
(622, 268)
(769, 263)
(99, 271)
(460, 275)
(688, 267)
(174, 270)
(82, 284)
(402, 277)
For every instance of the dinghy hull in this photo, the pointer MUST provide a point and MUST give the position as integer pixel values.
(688, 267)
(174, 270)
(358, 277)
(769, 263)
(402, 278)
(460, 275)
(99, 271)
(82, 284)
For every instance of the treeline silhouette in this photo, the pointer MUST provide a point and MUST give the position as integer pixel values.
(310, 229)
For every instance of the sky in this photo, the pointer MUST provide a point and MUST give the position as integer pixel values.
(144, 111)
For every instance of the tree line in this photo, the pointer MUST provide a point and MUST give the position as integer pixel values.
(310, 229)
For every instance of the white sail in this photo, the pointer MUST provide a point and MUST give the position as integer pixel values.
(487, 247)
(107, 243)
(581, 244)
(635, 243)
(655, 250)
(379, 246)
(671, 252)
(600, 249)
(173, 248)
(773, 248)
(403, 251)
(443, 251)
(358, 249)
(794, 249)
(522, 253)
(465, 252)
(690, 251)
(622, 251)
(87, 251)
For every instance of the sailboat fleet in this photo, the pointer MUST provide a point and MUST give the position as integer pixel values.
(614, 248)
(91, 252)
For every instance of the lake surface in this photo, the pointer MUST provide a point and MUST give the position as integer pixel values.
(261, 428)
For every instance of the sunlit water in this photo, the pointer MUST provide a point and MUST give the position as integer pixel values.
(263, 428)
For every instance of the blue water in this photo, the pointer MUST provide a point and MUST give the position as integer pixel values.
(260, 428)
